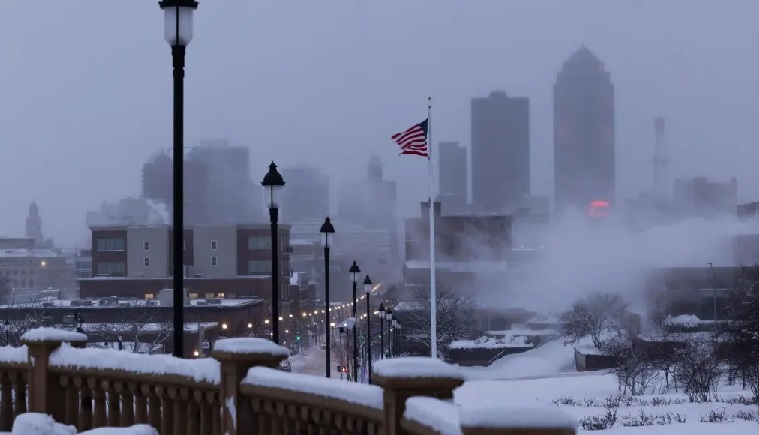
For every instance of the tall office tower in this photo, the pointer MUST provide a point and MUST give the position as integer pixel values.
(306, 194)
(500, 152)
(157, 186)
(228, 180)
(452, 178)
(583, 111)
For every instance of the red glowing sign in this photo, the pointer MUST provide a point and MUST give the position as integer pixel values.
(598, 209)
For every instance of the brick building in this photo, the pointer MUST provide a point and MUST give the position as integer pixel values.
(230, 261)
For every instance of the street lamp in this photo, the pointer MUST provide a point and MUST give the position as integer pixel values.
(354, 271)
(367, 292)
(398, 330)
(79, 322)
(274, 182)
(389, 318)
(178, 33)
(381, 311)
(327, 229)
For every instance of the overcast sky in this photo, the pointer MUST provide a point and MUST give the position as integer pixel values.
(85, 87)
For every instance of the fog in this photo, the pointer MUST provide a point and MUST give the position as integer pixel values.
(582, 256)
(86, 88)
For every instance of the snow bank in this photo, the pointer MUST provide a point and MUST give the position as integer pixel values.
(441, 416)
(139, 429)
(52, 334)
(201, 370)
(360, 394)
(415, 367)
(549, 359)
(10, 354)
(507, 417)
(40, 424)
(250, 345)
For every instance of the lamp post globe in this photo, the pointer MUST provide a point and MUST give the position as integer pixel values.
(328, 230)
(354, 271)
(178, 31)
(273, 183)
(178, 21)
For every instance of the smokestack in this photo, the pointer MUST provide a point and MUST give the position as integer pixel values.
(660, 160)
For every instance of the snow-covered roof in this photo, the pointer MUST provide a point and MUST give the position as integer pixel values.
(491, 343)
(123, 303)
(27, 253)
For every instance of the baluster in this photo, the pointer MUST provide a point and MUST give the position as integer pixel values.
(98, 393)
(85, 413)
(216, 414)
(140, 404)
(193, 414)
(288, 414)
(127, 403)
(179, 395)
(260, 419)
(113, 403)
(277, 427)
(167, 408)
(154, 406)
(19, 391)
(6, 402)
(70, 400)
(204, 399)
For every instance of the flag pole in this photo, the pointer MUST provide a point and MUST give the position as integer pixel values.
(433, 293)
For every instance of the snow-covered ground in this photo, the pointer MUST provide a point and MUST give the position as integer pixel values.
(545, 376)
(550, 359)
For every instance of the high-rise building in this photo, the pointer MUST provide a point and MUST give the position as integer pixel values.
(306, 194)
(453, 183)
(158, 182)
(583, 134)
(500, 151)
(228, 179)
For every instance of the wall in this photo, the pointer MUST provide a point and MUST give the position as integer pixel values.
(157, 253)
(225, 252)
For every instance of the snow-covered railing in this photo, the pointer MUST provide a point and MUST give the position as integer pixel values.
(239, 391)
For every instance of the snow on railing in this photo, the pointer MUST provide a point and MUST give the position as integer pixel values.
(239, 391)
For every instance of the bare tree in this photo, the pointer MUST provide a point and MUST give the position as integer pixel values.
(34, 317)
(594, 316)
(145, 331)
(636, 368)
(455, 320)
(697, 368)
(740, 333)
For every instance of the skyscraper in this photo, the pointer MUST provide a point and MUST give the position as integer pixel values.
(583, 133)
(453, 174)
(306, 194)
(500, 151)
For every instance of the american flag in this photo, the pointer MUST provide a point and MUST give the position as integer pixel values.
(414, 140)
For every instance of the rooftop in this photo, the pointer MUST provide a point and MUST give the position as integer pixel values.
(28, 253)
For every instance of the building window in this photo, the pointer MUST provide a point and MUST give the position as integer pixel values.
(221, 295)
(193, 295)
(259, 243)
(258, 267)
(146, 246)
(111, 269)
(149, 296)
(214, 245)
(146, 261)
(209, 295)
(111, 245)
(31, 283)
(213, 261)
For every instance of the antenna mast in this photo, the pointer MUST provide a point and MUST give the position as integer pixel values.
(660, 160)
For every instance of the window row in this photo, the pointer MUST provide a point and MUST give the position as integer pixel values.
(114, 244)
(111, 268)
(20, 283)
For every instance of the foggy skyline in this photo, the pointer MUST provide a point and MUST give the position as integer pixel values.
(86, 89)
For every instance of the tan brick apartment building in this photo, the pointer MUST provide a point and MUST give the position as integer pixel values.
(231, 261)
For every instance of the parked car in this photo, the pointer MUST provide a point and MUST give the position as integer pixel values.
(323, 346)
(285, 366)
